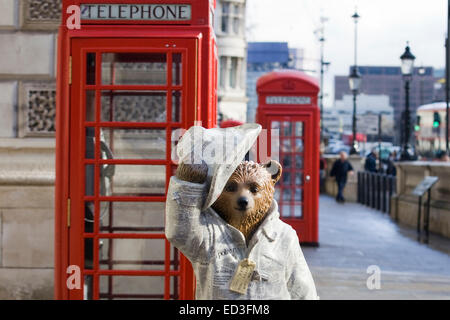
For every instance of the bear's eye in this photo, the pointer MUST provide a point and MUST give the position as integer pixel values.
(253, 188)
(231, 187)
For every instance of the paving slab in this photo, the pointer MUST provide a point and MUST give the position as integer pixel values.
(352, 238)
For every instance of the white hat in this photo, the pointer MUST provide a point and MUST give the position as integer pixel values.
(222, 149)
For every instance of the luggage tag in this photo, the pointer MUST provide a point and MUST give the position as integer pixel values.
(242, 276)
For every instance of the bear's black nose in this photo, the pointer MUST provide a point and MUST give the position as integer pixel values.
(242, 202)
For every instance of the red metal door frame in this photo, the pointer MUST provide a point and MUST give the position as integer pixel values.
(303, 226)
(300, 91)
(77, 146)
(200, 28)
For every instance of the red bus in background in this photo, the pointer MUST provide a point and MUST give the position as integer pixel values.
(348, 138)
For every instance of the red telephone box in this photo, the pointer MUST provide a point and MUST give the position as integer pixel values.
(287, 108)
(127, 79)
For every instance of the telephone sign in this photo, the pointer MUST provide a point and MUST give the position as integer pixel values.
(159, 12)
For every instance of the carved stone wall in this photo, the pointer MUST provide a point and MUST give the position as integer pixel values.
(37, 109)
(27, 108)
(405, 205)
(27, 175)
(40, 14)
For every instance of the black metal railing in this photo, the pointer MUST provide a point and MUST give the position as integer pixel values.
(376, 189)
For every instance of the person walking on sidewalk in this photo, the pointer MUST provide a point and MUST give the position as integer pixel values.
(371, 161)
(341, 167)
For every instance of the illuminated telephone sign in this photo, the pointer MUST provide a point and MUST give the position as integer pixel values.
(158, 12)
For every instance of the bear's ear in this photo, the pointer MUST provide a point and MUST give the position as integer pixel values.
(274, 168)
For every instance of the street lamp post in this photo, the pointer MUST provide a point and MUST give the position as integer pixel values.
(447, 82)
(354, 81)
(322, 40)
(323, 64)
(421, 72)
(407, 59)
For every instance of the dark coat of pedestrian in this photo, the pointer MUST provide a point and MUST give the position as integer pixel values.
(323, 167)
(371, 162)
(391, 169)
(341, 168)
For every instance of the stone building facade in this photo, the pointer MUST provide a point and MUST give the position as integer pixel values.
(387, 80)
(28, 37)
(232, 49)
(368, 109)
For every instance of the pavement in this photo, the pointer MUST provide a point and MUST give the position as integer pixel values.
(353, 238)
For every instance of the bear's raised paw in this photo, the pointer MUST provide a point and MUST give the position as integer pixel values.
(196, 173)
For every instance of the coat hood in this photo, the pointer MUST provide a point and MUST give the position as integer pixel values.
(222, 149)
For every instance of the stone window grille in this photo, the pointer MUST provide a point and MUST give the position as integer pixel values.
(37, 109)
(40, 14)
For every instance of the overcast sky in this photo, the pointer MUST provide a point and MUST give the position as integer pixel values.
(383, 29)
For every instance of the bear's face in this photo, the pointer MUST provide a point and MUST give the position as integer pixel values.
(248, 195)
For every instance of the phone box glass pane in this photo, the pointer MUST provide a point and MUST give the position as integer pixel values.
(135, 143)
(144, 68)
(131, 287)
(132, 254)
(133, 106)
(90, 105)
(177, 69)
(132, 217)
(133, 180)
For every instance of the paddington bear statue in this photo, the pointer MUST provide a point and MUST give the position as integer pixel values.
(223, 217)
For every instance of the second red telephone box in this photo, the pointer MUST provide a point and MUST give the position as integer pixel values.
(287, 108)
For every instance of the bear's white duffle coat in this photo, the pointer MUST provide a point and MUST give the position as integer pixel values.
(215, 249)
